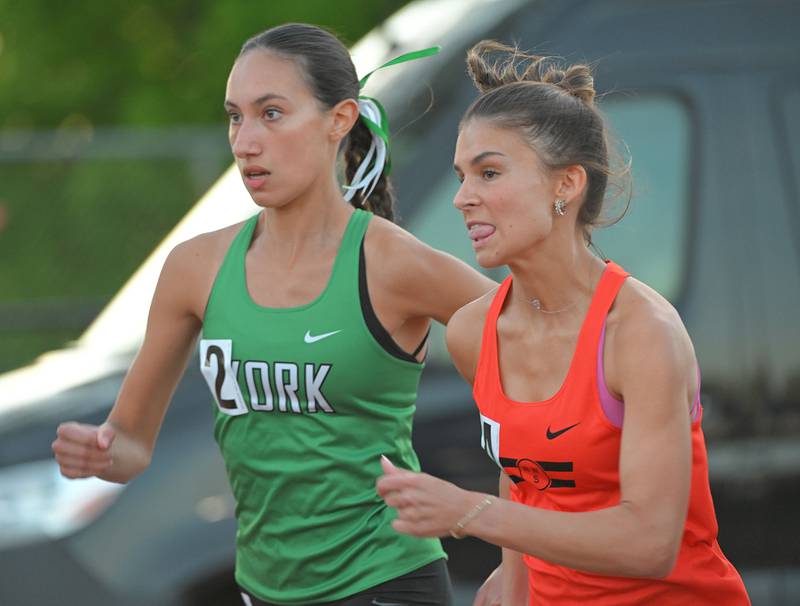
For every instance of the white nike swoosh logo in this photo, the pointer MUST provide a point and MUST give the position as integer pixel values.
(313, 339)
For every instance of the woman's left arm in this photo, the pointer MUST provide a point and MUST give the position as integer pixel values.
(419, 279)
(654, 363)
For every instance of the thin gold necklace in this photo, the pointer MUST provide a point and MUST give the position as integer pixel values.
(537, 305)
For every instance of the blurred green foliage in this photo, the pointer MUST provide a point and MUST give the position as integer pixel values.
(146, 62)
(73, 229)
(89, 224)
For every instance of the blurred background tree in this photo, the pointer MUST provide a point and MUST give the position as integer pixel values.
(111, 127)
(144, 63)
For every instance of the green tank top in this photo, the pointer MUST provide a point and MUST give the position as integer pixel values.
(306, 402)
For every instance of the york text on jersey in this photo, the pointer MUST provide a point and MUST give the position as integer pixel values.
(269, 386)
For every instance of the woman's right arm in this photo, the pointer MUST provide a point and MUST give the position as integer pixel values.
(121, 448)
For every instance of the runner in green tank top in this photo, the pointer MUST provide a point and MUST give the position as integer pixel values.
(307, 316)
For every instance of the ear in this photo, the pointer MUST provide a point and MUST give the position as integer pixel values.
(343, 117)
(571, 183)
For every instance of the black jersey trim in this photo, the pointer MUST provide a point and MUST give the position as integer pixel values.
(380, 334)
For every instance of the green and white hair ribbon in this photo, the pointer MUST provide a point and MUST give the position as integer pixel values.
(378, 149)
(377, 160)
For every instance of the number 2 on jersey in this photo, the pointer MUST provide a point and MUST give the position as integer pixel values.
(217, 366)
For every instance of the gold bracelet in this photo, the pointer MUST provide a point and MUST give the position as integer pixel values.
(457, 531)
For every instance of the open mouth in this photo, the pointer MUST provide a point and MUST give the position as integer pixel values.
(255, 177)
(480, 232)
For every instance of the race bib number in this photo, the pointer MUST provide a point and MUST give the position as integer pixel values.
(216, 364)
(490, 439)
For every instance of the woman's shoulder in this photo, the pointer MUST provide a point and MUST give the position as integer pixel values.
(472, 316)
(466, 326)
(402, 256)
(205, 249)
(383, 236)
(191, 267)
(396, 259)
(464, 334)
(638, 305)
(648, 350)
(431, 282)
(642, 320)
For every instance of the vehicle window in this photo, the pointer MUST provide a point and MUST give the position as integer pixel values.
(650, 242)
(791, 101)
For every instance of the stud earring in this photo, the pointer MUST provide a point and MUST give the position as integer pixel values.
(560, 207)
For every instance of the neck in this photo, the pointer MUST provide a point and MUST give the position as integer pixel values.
(560, 274)
(306, 225)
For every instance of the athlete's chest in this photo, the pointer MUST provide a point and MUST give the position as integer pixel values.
(295, 362)
(561, 451)
(273, 286)
(533, 363)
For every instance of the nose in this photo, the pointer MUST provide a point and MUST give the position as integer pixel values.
(244, 140)
(464, 197)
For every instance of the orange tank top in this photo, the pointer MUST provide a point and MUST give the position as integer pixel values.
(563, 454)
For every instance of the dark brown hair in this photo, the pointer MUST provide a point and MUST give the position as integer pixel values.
(329, 71)
(553, 107)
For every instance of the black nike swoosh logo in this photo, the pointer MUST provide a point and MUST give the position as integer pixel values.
(554, 434)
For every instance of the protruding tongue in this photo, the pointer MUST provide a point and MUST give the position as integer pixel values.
(478, 232)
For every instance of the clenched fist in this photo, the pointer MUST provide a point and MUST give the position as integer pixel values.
(82, 450)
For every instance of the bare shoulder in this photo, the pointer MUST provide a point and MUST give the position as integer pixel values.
(470, 318)
(394, 257)
(639, 308)
(645, 330)
(422, 281)
(191, 267)
(403, 255)
(465, 332)
(392, 246)
(204, 248)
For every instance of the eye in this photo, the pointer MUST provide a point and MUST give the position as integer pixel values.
(271, 113)
(489, 173)
(234, 118)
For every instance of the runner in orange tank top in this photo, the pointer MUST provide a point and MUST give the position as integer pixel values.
(585, 378)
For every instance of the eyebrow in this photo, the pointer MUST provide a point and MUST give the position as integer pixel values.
(262, 99)
(480, 157)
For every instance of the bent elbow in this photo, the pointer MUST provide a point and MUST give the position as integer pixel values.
(662, 566)
(657, 560)
(139, 465)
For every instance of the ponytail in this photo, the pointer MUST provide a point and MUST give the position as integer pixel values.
(381, 200)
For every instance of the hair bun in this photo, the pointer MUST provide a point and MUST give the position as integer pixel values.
(491, 64)
(577, 80)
